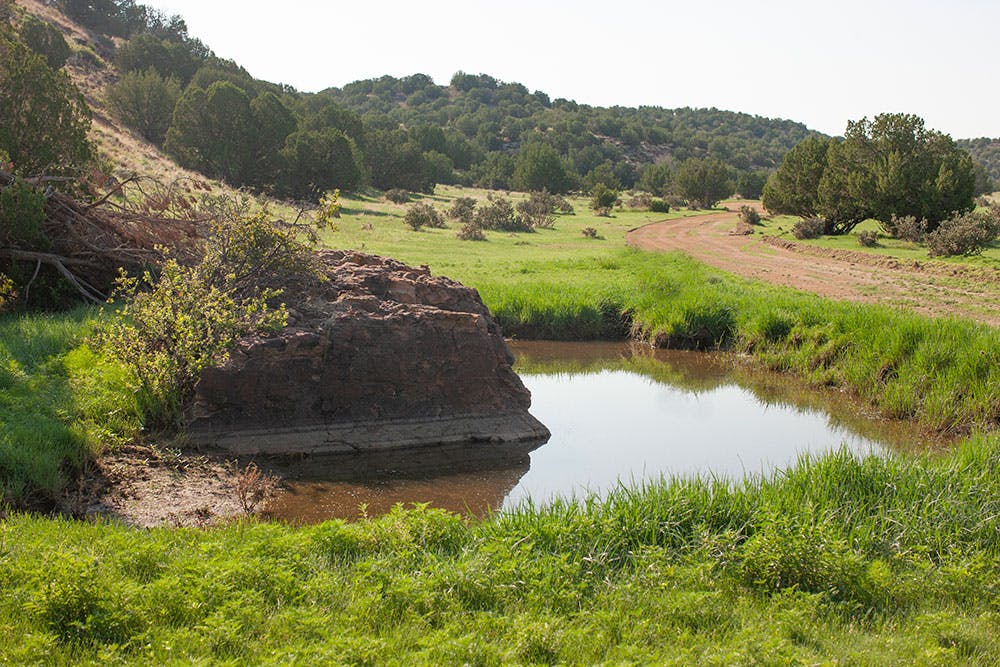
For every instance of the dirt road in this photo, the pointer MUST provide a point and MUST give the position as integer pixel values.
(931, 288)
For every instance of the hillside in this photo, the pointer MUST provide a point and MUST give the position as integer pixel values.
(389, 132)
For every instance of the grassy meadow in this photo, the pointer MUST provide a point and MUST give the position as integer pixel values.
(834, 561)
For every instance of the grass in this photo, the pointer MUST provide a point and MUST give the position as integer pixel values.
(60, 405)
(836, 561)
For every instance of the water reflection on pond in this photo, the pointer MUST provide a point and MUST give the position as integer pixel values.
(618, 413)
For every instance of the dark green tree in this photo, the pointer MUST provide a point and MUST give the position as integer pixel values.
(213, 131)
(794, 188)
(145, 102)
(43, 117)
(170, 59)
(893, 166)
(750, 184)
(539, 167)
(317, 161)
(273, 122)
(44, 38)
(654, 178)
(703, 182)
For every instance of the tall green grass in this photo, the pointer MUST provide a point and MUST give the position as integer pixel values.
(837, 560)
(60, 405)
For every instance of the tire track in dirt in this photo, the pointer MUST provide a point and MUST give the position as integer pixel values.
(932, 288)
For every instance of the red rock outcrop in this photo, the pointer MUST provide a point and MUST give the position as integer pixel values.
(379, 355)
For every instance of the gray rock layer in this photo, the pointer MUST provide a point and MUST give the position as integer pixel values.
(378, 355)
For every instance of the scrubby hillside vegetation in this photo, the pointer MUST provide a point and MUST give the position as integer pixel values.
(149, 74)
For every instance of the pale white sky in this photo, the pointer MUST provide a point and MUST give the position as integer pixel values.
(820, 63)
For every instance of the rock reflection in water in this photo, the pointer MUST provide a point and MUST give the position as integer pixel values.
(470, 480)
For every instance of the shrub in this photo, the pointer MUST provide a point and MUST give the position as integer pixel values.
(602, 198)
(176, 324)
(499, 215)
(539, 209)
(641, 201)
(45, 39)
(563, 205)
(423, 214)
(810, 228)
(964, 234)
(397, 196)
(749, 215)
(145, 102)
(470, 232)
(868, 238)
(44, 119)
(906, 228)
(658, 206)
(463, 210)
(22, 213)
(589, 232)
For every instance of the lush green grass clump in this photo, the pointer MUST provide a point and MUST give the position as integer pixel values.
(878, 561)
(59, 405)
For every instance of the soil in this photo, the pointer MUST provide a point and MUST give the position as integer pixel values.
(147, 487)
(932, 288)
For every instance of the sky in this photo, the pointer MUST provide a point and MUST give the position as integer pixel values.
(819, 63)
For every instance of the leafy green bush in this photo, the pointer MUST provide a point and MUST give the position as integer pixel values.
(964, 234)
(177, 323)
(22, 213)
(44, 119)
(423, 214)
(658, 206)
(602, 198)
(810, 228)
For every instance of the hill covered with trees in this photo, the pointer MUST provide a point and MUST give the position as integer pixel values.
(211, 115)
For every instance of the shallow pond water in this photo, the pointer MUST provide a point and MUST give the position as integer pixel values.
(618, 414)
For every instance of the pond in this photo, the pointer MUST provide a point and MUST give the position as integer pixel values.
(619, 414)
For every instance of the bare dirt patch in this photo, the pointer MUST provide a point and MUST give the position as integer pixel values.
(932, 288)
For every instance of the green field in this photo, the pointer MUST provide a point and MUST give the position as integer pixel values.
(835, 561)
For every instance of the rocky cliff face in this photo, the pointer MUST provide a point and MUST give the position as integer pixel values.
(378, 355)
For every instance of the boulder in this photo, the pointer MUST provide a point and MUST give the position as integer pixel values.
(377, 355)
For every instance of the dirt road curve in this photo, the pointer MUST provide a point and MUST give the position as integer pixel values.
(932, 288)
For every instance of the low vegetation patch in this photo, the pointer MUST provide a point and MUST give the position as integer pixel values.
(965, 234)
(875, 561)
(810, 228)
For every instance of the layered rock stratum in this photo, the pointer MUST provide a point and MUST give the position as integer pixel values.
(377, 356)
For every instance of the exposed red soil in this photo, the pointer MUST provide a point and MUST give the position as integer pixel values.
(931, 288)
